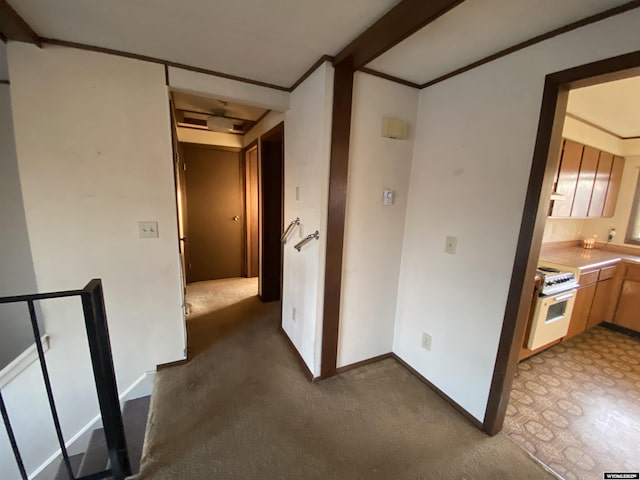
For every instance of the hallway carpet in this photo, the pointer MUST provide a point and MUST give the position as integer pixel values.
(242, 409)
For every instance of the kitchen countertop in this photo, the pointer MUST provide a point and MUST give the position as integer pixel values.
(585, 259)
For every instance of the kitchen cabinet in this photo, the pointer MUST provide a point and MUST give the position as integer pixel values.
(627, 312)
(589, 180)
(603, 297)
(581, 310)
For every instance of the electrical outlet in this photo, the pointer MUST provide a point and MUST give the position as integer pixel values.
(148, 229)
(293, 313)
(450, 245)
(426, 341)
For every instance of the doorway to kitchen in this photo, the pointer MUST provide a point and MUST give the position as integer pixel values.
(576, 389)
(225, 197)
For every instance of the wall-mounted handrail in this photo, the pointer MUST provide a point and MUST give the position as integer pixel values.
(307, 239)
(289, 230)
(104, 375)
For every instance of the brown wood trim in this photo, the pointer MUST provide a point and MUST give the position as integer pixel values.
(362, 363)
(4, 82)
(391, 78)
(543, 169)
(301, 362)
(177, 363)
(14, 27)
(166, 75)
(338, 170)
(537, 39)
(3, 38)
(439, 392)
(313, 68)
(144, 58)
(404, 19)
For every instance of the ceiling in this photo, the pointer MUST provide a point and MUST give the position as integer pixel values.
(272, 41)
(476, 29)
(613, 106)
(193, 111)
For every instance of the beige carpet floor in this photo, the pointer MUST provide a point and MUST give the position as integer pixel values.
(242, 409)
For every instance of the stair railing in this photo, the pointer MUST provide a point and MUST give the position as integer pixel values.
(95, 319)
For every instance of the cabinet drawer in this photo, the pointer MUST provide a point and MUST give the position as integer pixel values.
(608, 272)
(588, 277)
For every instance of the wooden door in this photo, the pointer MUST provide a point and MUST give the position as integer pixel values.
(214, 213)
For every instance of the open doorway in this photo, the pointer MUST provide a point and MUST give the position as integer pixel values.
(574, 352)
(226, 196)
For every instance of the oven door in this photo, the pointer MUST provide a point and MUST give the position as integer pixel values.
(551, 318)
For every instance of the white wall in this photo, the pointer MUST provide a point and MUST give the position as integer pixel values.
(94, 154)
(263, 126)
(207, 137)
(474, 146)
(307, 143)
(373, 232)
(16, 275)
(230, 90)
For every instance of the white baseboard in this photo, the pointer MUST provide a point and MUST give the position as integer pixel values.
(142, 387)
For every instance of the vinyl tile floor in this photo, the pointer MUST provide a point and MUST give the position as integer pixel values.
(576, 406)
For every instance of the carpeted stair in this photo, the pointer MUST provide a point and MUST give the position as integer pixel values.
(96, 459)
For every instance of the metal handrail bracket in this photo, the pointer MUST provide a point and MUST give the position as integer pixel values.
(307, 239)
(289, 230)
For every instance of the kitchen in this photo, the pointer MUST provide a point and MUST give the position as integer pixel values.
(575, 402)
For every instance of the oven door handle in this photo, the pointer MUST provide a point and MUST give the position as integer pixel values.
(566, 296)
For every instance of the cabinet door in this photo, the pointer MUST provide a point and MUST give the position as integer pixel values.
(567, 178)
(629, 304)
(601, 184)
(601, 300)
(586, 181)
(581, 310)
(614, 187)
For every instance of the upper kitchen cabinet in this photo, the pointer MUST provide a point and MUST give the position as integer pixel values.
(589, 181)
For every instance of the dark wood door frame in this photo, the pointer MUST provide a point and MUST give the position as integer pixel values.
(544, 165)
(271, 160)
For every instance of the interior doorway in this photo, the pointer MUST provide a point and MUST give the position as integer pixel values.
(576, 380)
(229, 199)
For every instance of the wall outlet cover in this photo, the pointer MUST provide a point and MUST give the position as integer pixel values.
(450, 245)
(426, 341)
(148, 229)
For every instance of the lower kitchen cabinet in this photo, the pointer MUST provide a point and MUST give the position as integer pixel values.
(627, 313)
(600, 305)
(581, 310)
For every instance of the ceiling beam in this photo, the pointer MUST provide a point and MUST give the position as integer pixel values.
(13, 26)
(403, 20)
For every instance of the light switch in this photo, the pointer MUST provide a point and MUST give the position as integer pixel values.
(450, 245)
(387, 197)
(148, 229)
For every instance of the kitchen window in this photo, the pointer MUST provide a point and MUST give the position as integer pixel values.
(633, 230)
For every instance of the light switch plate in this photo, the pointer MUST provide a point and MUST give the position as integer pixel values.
(450, 245)
(148, 229)
(387, 197)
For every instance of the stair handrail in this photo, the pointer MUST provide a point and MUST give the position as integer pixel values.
(95, 319)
